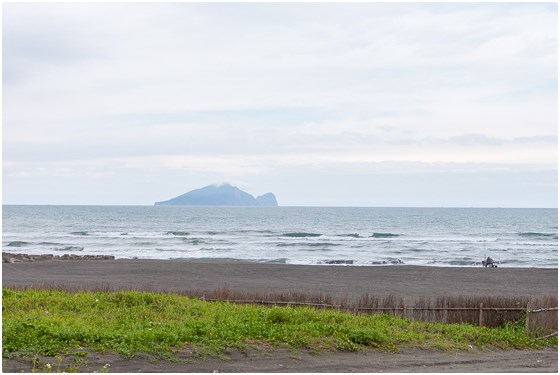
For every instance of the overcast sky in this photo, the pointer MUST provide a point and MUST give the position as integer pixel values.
(366, 104)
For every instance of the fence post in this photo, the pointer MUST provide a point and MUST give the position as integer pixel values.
(527, 313)
(480, 316)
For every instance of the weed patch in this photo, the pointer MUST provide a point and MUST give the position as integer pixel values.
(50, 322)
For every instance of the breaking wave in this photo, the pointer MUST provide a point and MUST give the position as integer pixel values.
(338, 261)
(301, 234)
(384, 235)
(354, 235)
(18, 243)
(538, 234)
(69, 248)
(177, 233)
(308, 244)
(277, 260)
(389, 261)
(457, 262)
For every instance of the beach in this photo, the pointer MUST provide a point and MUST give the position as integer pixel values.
(340, 281)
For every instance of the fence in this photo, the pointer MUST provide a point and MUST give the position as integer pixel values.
(540, 314)
(541, 322)
(481, 311)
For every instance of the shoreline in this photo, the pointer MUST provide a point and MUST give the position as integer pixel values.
(10, 257)
(181, 275)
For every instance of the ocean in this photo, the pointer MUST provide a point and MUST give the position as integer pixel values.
(350, 236)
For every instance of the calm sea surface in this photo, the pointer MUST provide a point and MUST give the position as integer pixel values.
(294, 235)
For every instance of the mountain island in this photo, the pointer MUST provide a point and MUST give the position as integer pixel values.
(220, 195)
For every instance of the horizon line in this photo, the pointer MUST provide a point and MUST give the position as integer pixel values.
(271, 207)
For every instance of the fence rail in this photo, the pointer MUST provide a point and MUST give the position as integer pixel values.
(543, 310)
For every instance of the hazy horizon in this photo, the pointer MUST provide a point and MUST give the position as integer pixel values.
(283, 206)
(323, 104)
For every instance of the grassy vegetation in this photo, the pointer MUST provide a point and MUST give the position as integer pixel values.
(51, 322)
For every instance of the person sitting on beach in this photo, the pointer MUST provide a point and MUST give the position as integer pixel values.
(488, 262)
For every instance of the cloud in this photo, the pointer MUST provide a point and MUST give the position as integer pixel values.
(475, 139)
(538, 139)
(241, 89)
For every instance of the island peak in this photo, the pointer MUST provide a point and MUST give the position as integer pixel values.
(221, 194)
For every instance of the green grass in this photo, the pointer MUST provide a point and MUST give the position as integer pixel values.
(50, 322)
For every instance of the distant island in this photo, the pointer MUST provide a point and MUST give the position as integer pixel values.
(220, 195)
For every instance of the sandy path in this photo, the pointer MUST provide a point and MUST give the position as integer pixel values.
(282, 360)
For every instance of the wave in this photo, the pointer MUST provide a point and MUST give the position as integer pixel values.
(461, 262)
(415, 250)
(539, 234)
(167, 250)
(309, 244)
(354, 235)
(301, 234)
(389, 261)
(177, 233)
(278, 261)
(216, 249)
(266, 231)
(384, 235)
(80, 233)
(194, 241)
(69, 248)
(338, 261)
(18, 243)
(202, 240)
(143, 243)
(320, 244)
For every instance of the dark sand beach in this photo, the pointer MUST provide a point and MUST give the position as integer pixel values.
(348, 281)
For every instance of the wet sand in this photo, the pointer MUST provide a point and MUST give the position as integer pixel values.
(346, 281)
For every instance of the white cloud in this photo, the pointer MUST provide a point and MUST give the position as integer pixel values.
(241, 89)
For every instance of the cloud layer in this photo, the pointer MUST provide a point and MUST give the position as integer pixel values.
(193, 94)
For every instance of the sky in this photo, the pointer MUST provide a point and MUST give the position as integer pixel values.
(323, 104)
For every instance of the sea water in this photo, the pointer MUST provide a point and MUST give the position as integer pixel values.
(293, 235)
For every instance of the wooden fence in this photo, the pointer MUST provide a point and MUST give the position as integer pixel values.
(541, 322)
(538, 322)
(540, 313)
